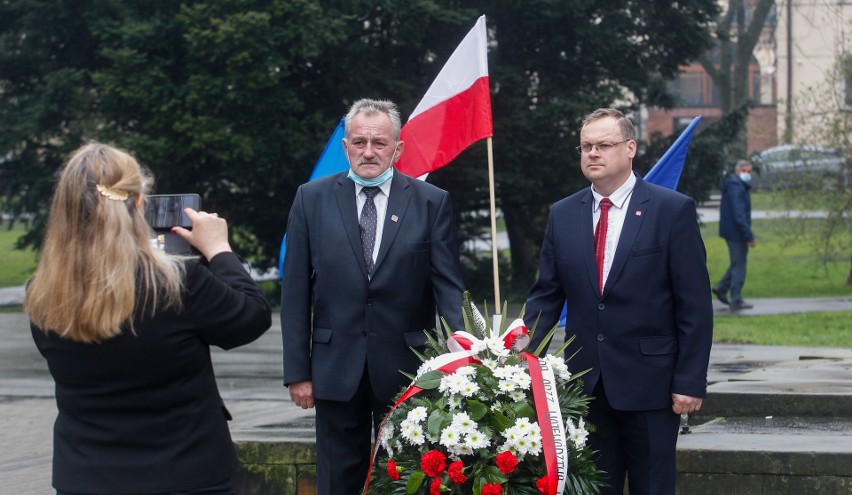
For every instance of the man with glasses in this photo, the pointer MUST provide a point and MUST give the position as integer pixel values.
(628, 257)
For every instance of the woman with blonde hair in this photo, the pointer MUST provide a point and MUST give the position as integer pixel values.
(126, 328)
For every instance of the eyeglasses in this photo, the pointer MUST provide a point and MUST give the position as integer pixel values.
(602, 147)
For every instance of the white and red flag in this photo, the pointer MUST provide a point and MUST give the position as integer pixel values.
(454, 113)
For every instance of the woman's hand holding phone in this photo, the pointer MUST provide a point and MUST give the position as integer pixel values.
(209, 234)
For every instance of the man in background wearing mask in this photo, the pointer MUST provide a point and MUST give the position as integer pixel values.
(369, 255)
(735, 228)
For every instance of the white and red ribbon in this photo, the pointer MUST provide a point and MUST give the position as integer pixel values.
(545, 396)
(553, 442)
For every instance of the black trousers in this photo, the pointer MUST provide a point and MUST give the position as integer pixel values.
(344, 440)
(639, 444)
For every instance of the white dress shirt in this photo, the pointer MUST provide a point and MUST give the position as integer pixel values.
(617, 212)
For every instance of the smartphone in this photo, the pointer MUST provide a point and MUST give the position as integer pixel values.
(165, 211)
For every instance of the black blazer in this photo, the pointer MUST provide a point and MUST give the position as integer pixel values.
(649, 334)
(334, 320)
(142, 413)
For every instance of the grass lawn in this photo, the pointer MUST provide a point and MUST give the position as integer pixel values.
(16, 265)
(781, 265)
(829, 329)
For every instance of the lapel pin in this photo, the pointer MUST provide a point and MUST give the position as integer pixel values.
(394, 218)
(638, 213)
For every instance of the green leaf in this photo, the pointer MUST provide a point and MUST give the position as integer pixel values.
(436, 421)
(499, 421)
(477, 410)
(494, 475)
(429, 380)
(414, 482)
(524, 409)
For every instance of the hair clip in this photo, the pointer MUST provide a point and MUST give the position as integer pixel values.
(113, 194)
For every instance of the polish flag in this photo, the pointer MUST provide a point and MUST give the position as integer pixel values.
(454, 113)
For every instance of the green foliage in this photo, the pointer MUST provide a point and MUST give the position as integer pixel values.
(235, 100)
(819, 329)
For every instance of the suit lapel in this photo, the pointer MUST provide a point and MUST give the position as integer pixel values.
(349, 214)
(633, 216)
(400, 197)
(587, 239)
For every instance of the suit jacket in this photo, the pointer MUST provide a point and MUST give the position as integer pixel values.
(141, 413)
(649, 334)
(735, 210)
(334, 319)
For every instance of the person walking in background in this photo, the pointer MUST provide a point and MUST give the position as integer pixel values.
(735, 228)
(628, 257)
(126, 330)
(369, 254)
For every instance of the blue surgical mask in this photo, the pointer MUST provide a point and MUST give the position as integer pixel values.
(376, 181)
(745, 177)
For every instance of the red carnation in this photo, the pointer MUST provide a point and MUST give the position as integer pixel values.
(492, 489)
(543, 485)
(392, 471)
(433, 463)
(456, 474)
(507, 462)
(435, 487)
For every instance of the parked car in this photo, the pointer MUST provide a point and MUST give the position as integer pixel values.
(791, 165)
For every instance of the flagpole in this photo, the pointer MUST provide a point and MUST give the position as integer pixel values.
(497, 305)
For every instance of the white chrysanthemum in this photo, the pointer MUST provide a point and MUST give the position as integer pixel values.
(466, 371)
(477, 440)
(523, 381)
(469, 389)
(417, 437)
(560, 368)
(450, 437)
(454, 402)
(577, 434)
(518, 396)
(428, 365)
(478, 347)
(463, 423)
(523, 438)
(506, 386)
(490, 363)
(412, 433)
(417, 414)
(497, 347)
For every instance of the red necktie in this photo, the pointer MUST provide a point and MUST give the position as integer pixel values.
(600, 239)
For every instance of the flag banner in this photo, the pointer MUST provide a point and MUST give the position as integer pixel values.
(331, 161)
(666, 172)
(454, 113)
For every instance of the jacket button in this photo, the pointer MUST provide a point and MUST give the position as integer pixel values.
(601, 306)
(600, 337)
(370, 302)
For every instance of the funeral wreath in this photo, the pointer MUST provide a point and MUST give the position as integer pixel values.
(486, 416)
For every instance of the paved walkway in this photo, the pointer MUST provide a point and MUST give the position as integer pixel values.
(250, 381)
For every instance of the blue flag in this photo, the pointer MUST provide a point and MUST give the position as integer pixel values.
(666, 172)
(331, 161)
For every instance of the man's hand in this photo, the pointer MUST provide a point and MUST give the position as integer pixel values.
(682, 403)
(302, 394)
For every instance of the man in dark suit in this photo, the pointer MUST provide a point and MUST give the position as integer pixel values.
(369, 255)
(643, 321)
